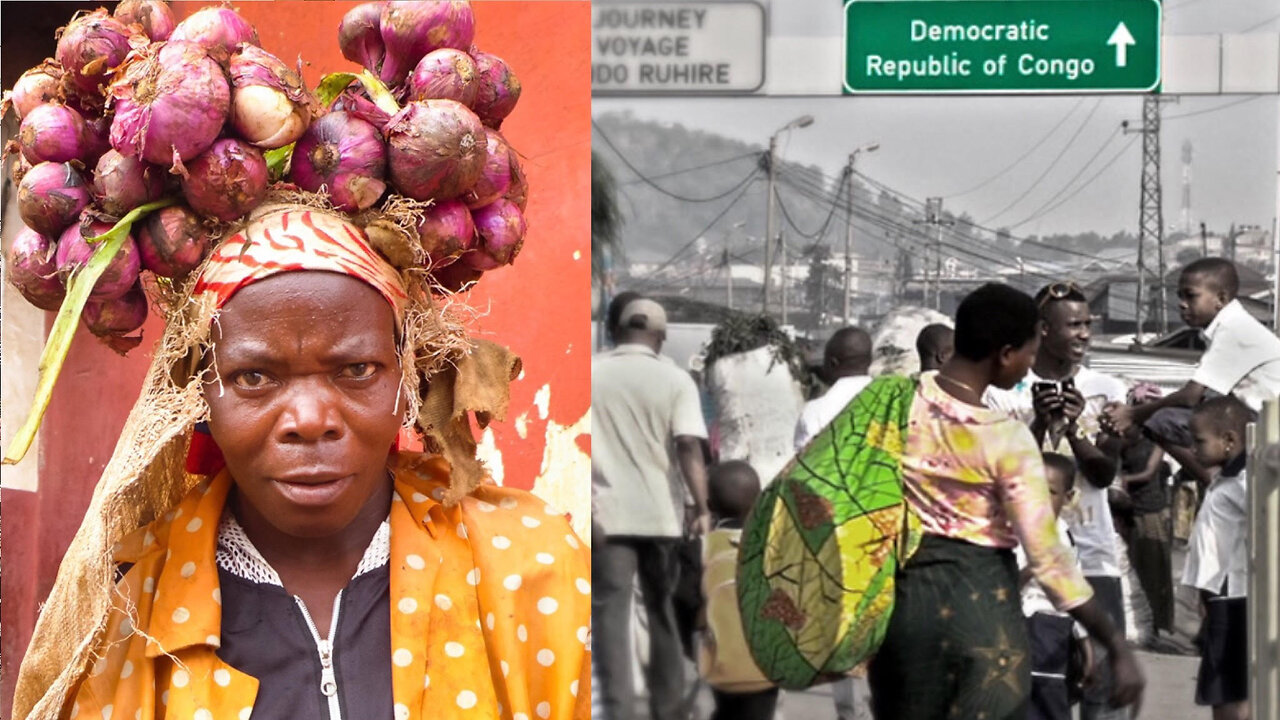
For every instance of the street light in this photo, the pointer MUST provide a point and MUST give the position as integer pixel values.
(770, 230)
(848, 235)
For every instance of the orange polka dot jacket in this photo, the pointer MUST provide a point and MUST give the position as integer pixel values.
(488, 612)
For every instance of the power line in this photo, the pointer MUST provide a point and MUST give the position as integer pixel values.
(648, 181)
(1268, 21)
(700, 233)
(1052, 164)
(1065, 186)
(695, 168)
(1206, 111)
(1023, 156)
(822, 230)
(1086, 183)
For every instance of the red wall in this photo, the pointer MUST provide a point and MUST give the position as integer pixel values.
(539, 307)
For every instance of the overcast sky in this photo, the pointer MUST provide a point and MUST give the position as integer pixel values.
(949, 145)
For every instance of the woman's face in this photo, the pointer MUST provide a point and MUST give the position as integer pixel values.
(1015, 362)
(303, 405)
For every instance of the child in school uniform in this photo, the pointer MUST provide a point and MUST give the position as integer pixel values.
(1217, 559)
(740, 690)
(1049, 631)
(1241, 358)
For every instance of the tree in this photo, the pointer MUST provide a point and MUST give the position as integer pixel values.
(823, 286)
(606, 218)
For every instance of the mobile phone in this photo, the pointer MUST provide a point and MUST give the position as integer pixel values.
(1068, 384)
(1044, 386)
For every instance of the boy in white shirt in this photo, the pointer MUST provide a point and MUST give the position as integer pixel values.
(1242, 358)
(1217, 558)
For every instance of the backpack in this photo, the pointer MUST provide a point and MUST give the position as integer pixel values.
(824, 540)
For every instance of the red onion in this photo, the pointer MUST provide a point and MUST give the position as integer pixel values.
(495, 179)
(116, 316)
(218, 29)
(74, 252)
(446, 74)
(51, 196)
(270, 107)
(345, 155)
(227, 181)
(33, 270)
(360, 106)
(446, 232)
(518, 192)
(499, 89)
(360, 36)
(170, 104)
(501, 228)
(435, 149)
(172, 241)
(457, 276)
(155, 17)
(413, 29)
(97, 138)
(52, 132)
(122, 183)
(90, 46)
(37, 86)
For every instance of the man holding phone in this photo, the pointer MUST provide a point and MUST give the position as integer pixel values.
(1062, 401)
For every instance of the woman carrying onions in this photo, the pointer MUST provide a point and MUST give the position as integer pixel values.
(301, 565)
(956, 644)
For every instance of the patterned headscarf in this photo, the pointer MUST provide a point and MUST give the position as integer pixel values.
(289, 238)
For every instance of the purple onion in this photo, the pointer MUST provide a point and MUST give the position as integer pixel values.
(51, 197)
(172, 241)
(97, 139)
(155, 17)
(170, 104)
(217, 29)
(410, 30)
(346, 156)
(360, 36)
(52, 132)
(90, 46)
(446, 232)
(116, 316)
(227, 181)
(518, 191)
(270, 107)
(499, 89)
(122, 183)
(495, 179)
(33, 270)
(37, 86)
(500, 227)
(73, 253)
(445, 74)
(435, 149)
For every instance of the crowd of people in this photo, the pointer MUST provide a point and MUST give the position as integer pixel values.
(1037, 482)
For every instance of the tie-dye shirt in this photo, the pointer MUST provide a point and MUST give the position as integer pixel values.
(975, 474)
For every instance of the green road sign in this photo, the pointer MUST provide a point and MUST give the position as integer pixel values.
(1001, 46)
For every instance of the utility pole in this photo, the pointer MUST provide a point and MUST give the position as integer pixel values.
(848, 236)
(728, 274)
(1204, 241)
(769, 220)
(782, 280)
(1151, 213)
(933, 217)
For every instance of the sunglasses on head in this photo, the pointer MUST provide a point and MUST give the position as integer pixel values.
(1058, 291)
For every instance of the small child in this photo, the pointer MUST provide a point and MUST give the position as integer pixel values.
(1217, 559)
(1048, 630)
(741, 691)
(1242, 358)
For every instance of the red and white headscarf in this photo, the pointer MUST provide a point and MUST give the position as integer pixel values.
(289, 238)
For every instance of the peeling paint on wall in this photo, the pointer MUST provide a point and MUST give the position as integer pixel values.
(542, 400)
(488, 453)
(522, 425)
(566, 472)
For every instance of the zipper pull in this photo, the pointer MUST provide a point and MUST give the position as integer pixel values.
(328, 679)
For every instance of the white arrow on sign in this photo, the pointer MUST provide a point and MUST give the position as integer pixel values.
(1122, 40)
